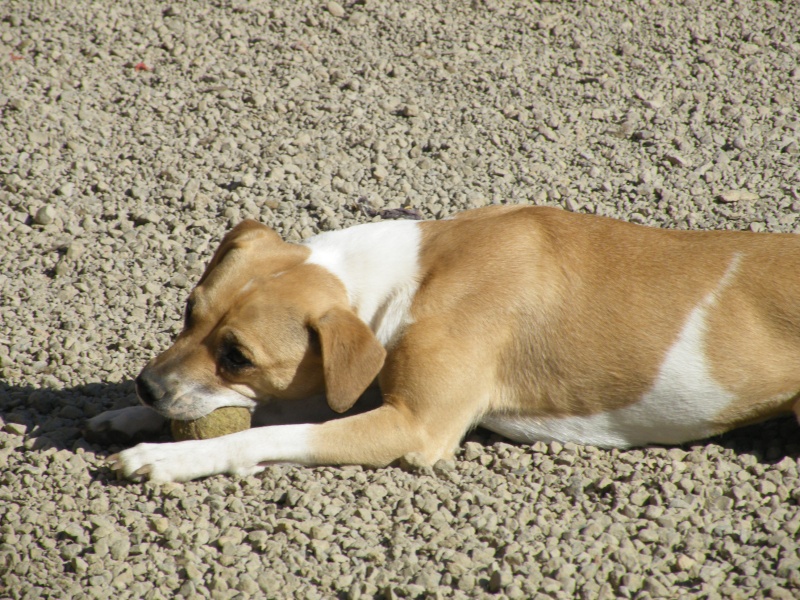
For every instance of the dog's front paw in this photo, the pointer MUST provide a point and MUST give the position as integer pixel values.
(124, 426)
(161, 463)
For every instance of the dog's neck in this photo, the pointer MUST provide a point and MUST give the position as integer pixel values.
(378, 263)
(379, 266)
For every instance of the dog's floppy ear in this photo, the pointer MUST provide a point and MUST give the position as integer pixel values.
(351, 356)
(240, 236)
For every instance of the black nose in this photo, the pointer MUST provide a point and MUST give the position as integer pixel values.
(145, 390)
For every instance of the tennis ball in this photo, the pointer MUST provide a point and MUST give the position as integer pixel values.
(225, 420)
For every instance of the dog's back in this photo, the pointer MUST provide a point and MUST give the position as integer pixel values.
(598, 322)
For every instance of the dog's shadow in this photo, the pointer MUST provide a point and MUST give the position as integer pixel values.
(56, 418)
(50, 417)
(769, 442)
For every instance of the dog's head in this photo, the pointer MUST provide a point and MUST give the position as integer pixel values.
(262, 324)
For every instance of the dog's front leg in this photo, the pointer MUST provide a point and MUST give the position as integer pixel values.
(375, 438)
(238, 454)
(124, 425)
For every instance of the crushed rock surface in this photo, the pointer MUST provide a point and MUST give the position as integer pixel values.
(132, 135)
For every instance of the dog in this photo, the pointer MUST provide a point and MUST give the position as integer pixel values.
(532, 322)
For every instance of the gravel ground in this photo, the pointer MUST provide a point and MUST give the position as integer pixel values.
(132, 135)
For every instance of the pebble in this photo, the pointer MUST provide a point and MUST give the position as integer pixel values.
(379, 172)
(15, 428)
(179, 281)
(677, 160)
(257, 99)
(410, 110)
(738, 196)
(335, 9)
(45, 215)
(499, 579)
(66, 189)
(75, 250)
(148, 217)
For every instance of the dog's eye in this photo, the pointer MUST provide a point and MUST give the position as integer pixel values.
(234, 360)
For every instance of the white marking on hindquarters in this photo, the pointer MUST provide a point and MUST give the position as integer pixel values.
(378, 263)
(681, 405)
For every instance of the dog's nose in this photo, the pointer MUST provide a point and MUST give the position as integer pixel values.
(144, 390)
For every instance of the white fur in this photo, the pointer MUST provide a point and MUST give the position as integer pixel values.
(243, 453)
(681, 406)
(378, 263)
(191, 400)
(129, 421)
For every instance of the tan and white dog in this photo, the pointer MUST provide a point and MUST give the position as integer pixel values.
(532, 322)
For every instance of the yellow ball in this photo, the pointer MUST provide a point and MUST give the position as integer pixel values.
(225, 420)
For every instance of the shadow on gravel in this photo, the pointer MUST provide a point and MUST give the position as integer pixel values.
(52, 417)
(769, 442)
(55, 418)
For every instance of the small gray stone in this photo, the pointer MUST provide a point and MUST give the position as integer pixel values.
(428, 579)
(45, 215)
(724, 503)
(71, 551)
(677, 160)
(139, 193)
(738, 196)
(257, 99)
(749, 49)
(15, 428)
(148, 217)
(335, 9)
(379, 172)
(499, 579)
(467, 582)
(180, 281)
(75, 250)
(78, 564)
(410, 110)
(119, 549)
(66, 189)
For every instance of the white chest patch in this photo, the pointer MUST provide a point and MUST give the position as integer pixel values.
(378, 263)
(679, 407)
